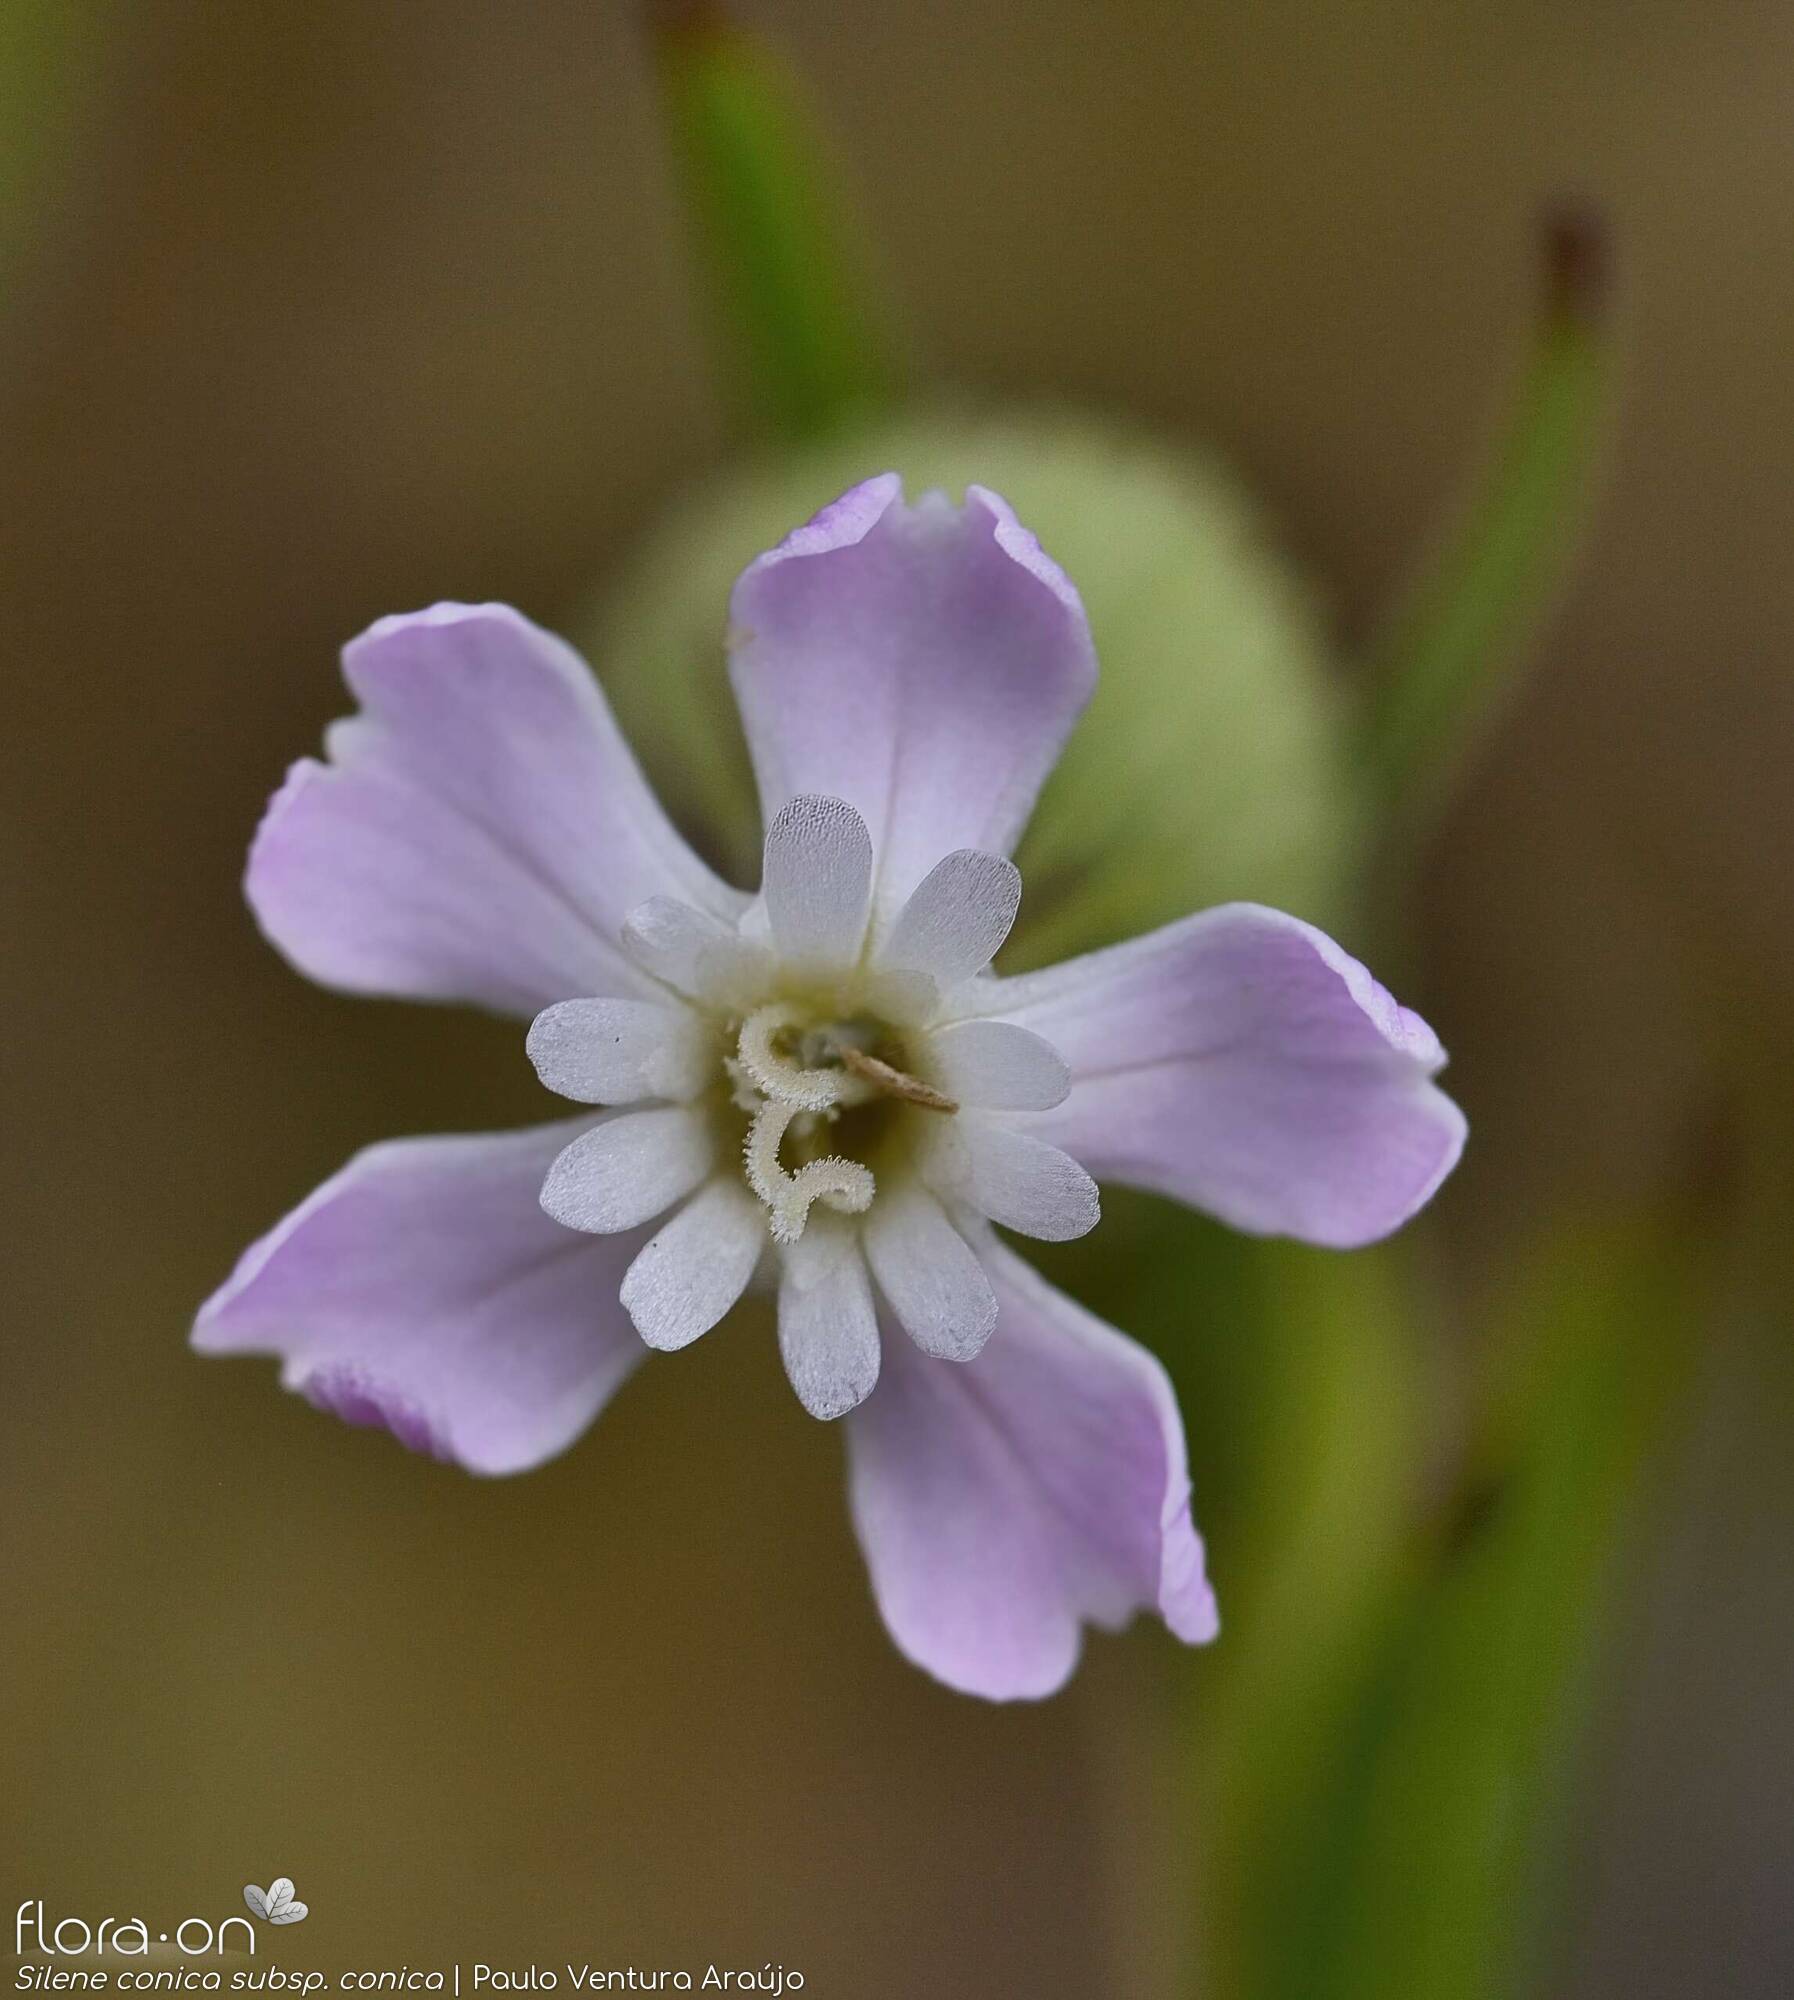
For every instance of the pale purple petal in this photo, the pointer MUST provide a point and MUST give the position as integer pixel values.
(1241, 1061)
(1003, 1502)
(828, 1328)
(696, 1265)
(923, 663)
(423, 1290)
(480, 829)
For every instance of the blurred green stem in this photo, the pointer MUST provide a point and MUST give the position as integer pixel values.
(1434, 673)
(790, 274)
(1317, 1550)
(1428, 1849)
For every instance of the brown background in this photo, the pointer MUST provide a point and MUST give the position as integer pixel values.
(335, 309)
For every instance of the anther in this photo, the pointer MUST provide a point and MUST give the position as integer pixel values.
(893, 1082)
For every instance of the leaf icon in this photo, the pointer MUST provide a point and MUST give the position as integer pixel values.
(276, 1903)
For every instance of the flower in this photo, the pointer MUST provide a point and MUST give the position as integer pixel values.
(821, 1086)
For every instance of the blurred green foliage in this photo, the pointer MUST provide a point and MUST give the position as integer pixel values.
(1423, 1864)
(1381, 1747)
(1436, 674)
(1305, 1378)
(787, 268)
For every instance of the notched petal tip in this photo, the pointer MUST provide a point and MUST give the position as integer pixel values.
(839, 525)
(845, 522)
(444, 615)
(1434, 1130)
(923, 661)
(1403, 1030)
(1243, 1062)
(1447, 1129)
(1003, 1505)
(478, 827)
(358, 1399)
(217, 1329)
(1186, 1597)
(1022, 547)
(265, 846)
(421, 1288)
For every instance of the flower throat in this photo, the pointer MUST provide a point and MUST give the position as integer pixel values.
(807, 1084)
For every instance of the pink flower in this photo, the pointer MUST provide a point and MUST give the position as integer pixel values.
(821, 1088)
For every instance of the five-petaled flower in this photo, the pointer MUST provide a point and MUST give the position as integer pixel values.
(821, 1087)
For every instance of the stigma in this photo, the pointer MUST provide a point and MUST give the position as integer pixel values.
(795, 1076)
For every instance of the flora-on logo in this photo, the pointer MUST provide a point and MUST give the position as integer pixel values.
(131, 1937)
(275, 1904)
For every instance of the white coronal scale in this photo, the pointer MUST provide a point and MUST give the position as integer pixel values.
(819, 1092)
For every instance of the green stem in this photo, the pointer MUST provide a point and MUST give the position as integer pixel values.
(810, 348)
(1432, 1818)
(1313, 1553)
(1451, 648)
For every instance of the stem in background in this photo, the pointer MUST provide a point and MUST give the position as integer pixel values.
(1436, 670)
(1313, 1555)
(1439, 1818)
(811, 349)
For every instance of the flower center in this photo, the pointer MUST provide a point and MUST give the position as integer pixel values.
(803, 1079)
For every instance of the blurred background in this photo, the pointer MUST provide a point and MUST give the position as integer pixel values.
(311, 314)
